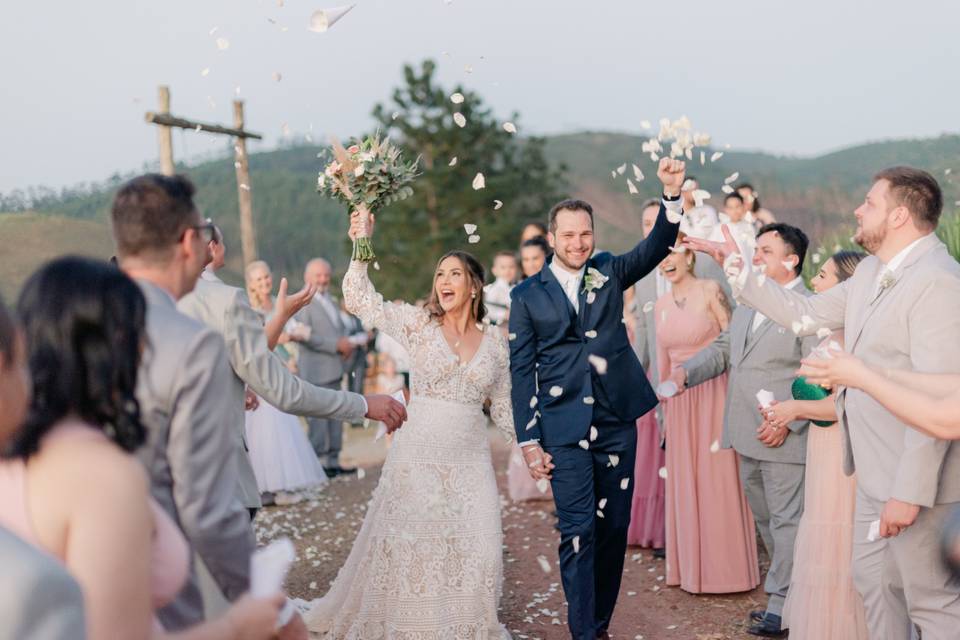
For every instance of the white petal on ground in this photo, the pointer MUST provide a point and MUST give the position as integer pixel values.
(715, 446)
(474, 239)
(614, 459)
(593, 433)
(457, 98)
(599, 363)
(469, 228)
(479, 182)
(453, 162)
(509, 127)
(361, 474)
(632, 188)
(625, 484)
(544, 564)
(556, 391)
(584, 445)
(460, 119)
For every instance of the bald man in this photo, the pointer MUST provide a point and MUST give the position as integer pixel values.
(322, 359)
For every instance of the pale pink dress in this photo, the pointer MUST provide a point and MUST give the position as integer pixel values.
(170, 560)
(647, 527)
(822, 602)
(711, 539)
(520, 485)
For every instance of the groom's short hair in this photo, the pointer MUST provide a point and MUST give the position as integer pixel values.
(916, 190)
(570, 204)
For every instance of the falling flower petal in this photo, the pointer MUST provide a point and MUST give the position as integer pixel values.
(588, 400)
(556, 391)
(277, 76)
(542, 485)
(823, 332)
(469, 228)
(593, 433)
(673, 217)
(512, 336)
(497, 204)
(699, 195)
(479, 182)
(625, 483)
(599, 363)
(584, 445)
(459, 119)
(323, 19)
(807, 322)
(205, 72)
(644, 124)
(509, 127)
(614, 460)
(613, 173)
(453, 162)
(797, 326)
(457, 98)
(648, 307)
(602, 503)
(223, 44)
(703, 158)
(621, 169)
(716, 156)
(533, 402)
(576, 544)
(731, 178)
(715, 446)
(590, 334)
(727, 188)
(662, 472)
(474, 239)
(600, 514)
(632, 188)
(637, 174)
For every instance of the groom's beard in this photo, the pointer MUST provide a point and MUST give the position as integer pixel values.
(871, 240)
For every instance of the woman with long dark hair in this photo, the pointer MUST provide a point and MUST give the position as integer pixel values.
(427, 562)
(70, 485)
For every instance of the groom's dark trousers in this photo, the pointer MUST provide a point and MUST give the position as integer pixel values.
(558, 394)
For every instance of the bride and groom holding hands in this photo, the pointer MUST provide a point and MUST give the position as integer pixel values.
(428, 559)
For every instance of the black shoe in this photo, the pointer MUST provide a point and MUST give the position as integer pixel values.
(346, 471)
(332, 472)
(660, 553)
(769, 627)
(757, 615)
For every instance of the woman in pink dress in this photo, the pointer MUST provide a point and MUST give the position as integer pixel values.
(711, 539)
(70, 485)
(822, 602)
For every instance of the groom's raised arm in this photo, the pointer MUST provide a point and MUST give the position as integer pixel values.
(523, 370)
(651, 251)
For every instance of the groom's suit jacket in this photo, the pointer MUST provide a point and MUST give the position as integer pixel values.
(550, 342)
(227, 311)
(767, 358)
(914, 323)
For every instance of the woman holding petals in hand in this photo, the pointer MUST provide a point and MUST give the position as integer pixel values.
(822, 602)
(427, 562)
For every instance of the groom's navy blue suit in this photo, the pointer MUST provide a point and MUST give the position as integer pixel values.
(549, 347)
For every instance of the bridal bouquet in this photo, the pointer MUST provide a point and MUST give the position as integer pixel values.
(366, 177)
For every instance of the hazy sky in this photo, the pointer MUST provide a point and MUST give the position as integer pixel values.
(783, 76)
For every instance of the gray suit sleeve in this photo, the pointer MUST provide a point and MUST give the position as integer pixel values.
(641, 345)
(266, 374)
(201, 453)
(786, 306)
(319, 341)
(709, 362)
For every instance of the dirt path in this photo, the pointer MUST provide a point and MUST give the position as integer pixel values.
(323, 529)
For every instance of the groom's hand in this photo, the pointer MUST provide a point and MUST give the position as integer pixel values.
(671, 173)
(539, 462)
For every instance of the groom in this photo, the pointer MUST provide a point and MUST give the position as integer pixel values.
(578, 389)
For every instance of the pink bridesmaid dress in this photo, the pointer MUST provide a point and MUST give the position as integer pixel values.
(711, 539)
(647, 527)
(822, 603)
(520, 485)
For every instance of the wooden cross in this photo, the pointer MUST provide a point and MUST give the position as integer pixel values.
(166, 122)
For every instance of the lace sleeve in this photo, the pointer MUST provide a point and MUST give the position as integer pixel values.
(501, 405)
(399, 321)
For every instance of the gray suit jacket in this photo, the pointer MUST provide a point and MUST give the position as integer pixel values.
(227, 311)
(767, 358)
(645, 296)
(40, 600)
(912, 324)
(183, 388)
(320, 362)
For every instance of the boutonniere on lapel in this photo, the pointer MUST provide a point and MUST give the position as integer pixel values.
(593, 280)
(887, 281)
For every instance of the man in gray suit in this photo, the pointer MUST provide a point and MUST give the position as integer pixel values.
(322, 357)
(900, 309)
(40, 600)
(184, 390)
(762, 355)
(227, 311)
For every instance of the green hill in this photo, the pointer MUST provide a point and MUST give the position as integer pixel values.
(293, 223)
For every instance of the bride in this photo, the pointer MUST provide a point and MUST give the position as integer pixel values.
(427, 563)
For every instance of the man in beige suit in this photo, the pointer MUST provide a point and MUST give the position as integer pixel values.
(900, 309)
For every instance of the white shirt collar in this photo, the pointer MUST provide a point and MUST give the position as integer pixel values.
(898, 259)
(793, 283)
(565, 276)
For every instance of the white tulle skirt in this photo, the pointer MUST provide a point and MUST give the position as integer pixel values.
(280, 453)
(427, 563)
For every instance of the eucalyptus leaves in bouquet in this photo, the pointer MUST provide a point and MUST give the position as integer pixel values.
(366, 176)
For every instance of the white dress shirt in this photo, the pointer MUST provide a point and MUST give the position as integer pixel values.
(569, 282)
(759, 317)
(895, 262)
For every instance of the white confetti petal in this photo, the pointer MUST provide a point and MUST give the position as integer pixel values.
(603, 503)
(533, 402)
(715, 446)
(699, 195)
(591, 297)
(457, 98)
(532, 423)
(453, 162)
(542, 485)
(593, 433)
(621, 169)
(323, 19)
(576, 544)
(556, 391)
(731, 178)
(600, 514)
(599, 363)
(512, 336)
(673, 217)
(588, 400)
(823, 333)
(474, 239)
(632, 188)
(614, 459)
(469, 228)
(497, 204)
(361, 474)
(625, 484)
(584, 444)
(613, 172)
(544, 564)
(509, 127)
(590, 334)
(479, 182)
(703, 158)
(394, 115)
(460, 119)
(727, 189)
(277, 76)
(716, 156)
(797, 326)
(205, 72)
(637, 174)
(648, 307)
(644, 124)
(807, 322)
(761, 278)
(223, 44)
(662, 472)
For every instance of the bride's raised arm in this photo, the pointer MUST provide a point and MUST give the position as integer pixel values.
(398, 320)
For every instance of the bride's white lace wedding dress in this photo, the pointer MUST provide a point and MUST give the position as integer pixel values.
(427, 563)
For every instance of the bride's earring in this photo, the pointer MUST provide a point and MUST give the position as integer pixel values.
(473, 294)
